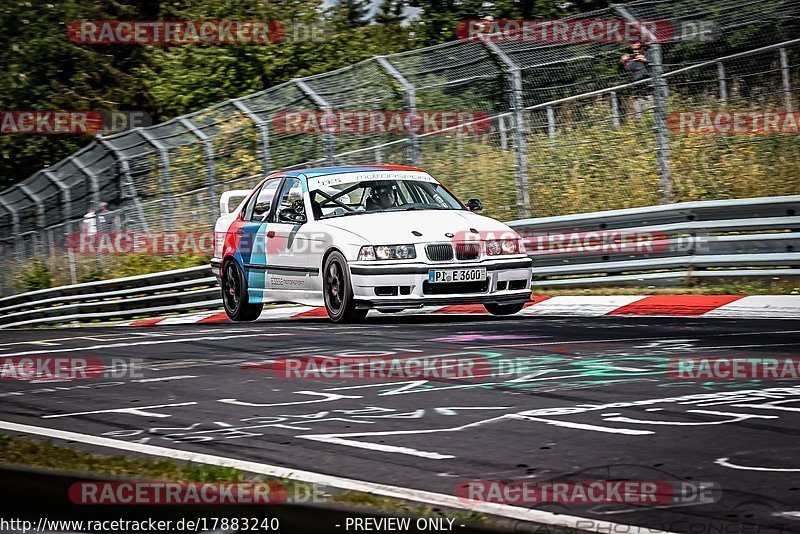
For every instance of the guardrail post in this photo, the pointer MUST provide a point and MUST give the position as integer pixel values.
(378, 156)
(166, 188)
(208, 154)
(263, 132)
(787, 88)
(40, 218)
(14, 225)
(409, 92)
(326, 109)
(520, 146)
(127, 186)
(723, 82)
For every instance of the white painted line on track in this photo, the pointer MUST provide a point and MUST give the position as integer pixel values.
(139, 343)
(139, 410)
(428, 497)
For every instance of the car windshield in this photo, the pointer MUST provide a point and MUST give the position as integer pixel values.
(340, 199)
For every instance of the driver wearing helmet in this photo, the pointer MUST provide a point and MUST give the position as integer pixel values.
(381, 197)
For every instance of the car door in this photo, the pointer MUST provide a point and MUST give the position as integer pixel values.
(251, 233)
(288, 273)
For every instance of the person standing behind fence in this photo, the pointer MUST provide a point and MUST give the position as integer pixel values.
(105, 219)
(636, 66)
(89, 225)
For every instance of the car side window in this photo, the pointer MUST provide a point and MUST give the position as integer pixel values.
(259, 206)
(290, 192)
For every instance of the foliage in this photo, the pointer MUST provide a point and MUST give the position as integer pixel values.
(41, 69)
(134, 264)
(36, 275)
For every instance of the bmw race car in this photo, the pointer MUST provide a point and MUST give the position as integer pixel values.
(387, 237)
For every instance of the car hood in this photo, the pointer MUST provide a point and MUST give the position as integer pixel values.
(396, 228)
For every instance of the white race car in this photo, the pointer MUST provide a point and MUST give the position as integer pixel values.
(353, 238)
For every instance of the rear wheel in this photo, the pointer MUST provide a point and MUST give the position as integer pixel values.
(504, 309)
(234, 294)
(338, 291)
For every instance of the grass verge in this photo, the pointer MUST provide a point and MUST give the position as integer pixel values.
(24, 452)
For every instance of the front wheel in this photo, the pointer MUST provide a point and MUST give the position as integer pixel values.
(234, 294)
(338, 291)
(504, 309)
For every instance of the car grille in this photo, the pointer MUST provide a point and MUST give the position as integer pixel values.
(443, 252)
(451, 288)
(468, 251)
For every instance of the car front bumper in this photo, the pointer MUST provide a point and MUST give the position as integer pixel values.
(508, 282)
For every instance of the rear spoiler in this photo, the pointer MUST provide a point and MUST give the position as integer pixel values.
(225, 199)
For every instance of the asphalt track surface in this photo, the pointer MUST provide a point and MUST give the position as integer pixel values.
(571, 416)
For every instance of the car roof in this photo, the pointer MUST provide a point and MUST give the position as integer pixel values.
(322, 171)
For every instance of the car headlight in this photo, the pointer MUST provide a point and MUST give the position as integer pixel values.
(387, 252)
(504, 246)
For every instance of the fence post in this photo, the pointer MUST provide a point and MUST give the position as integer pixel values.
(208, 154)
(66, 214)
(14, 226)
(40, 218)
(263, 132)
(410, 95)
(166, 188)
(127, 186)
(66, 199)
(614, 110)
(551, 122)
(659, 109)
(326, 108)
(723, 82)
(787, 88)
(501, 127)
(92, 179)
(660, 125)
(520, 146)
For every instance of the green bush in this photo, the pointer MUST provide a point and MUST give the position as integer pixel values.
(36, 275)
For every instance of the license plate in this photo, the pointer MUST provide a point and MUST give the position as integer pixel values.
(436, 276)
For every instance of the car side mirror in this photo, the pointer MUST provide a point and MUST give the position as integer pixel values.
(289, 215)
(474, 204)
(261, 208)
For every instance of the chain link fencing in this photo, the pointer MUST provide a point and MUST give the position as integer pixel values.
(561, 130)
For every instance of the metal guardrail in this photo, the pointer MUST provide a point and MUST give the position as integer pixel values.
(194, 288)
(757, 237)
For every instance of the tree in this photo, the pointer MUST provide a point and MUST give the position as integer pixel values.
(42, 70)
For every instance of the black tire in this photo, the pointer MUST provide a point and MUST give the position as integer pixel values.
(338, 291)
(504, 309)
(234, 294)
